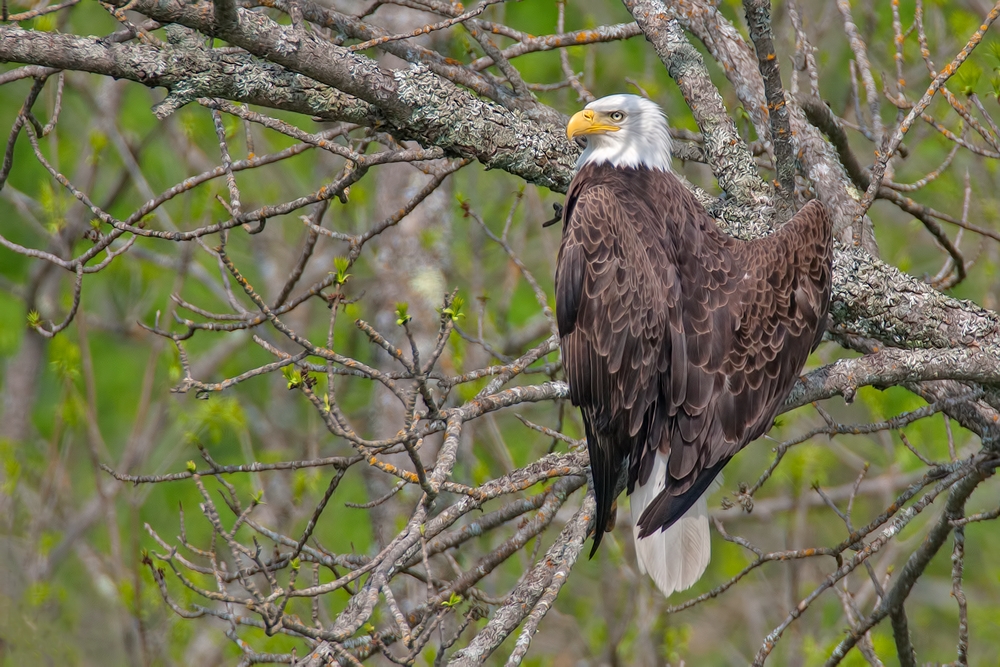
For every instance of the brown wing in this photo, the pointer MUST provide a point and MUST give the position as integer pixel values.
(675, 336)
(613, 300)
(778, 312)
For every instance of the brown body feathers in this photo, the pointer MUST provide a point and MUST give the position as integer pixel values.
(676, 337)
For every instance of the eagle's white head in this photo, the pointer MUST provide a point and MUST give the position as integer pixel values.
(624, 131)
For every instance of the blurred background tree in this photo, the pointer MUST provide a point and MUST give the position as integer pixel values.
(279, 375)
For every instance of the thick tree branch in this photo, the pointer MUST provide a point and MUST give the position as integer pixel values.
(892, 366)
(727, 153)
(817, 158)
(871, 298)
(876, 300)
(909, 334)
(412, 53)
(188, 73)
(291, 47)
(442, 114)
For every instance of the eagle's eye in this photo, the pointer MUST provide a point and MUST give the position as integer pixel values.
(617, 116)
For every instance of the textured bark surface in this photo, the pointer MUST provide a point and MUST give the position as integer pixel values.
(429, 114)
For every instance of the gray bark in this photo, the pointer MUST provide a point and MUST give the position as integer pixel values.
(910, 334)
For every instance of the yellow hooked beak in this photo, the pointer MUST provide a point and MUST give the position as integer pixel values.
(588, 122)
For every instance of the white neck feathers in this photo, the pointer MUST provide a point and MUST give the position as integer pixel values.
(643, 139)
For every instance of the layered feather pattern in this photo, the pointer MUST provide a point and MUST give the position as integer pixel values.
(680, 344)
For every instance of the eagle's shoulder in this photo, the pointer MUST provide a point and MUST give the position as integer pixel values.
(653, 202)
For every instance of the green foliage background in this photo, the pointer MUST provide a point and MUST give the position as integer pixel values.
(77, 614)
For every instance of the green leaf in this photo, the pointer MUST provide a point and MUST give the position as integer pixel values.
(967, 78)
(231, 125)
(64, 358)
(342, 264)
(218, 418)
(45, 22)
(452, 601)
(994, 50)
(402, 313)
(98, 142)
(293, 376)
(46, 541)
(454, 311)
(54, 206)
(304, 482)
(37, 594)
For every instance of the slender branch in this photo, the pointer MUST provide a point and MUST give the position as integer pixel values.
(891, 144)
(915, 565)
(957, 569)
(758, 14)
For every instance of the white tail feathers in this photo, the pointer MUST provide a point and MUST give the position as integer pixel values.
(676, 557)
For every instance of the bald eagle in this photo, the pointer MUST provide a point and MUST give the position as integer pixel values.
(680, 342)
